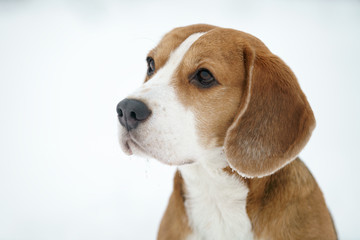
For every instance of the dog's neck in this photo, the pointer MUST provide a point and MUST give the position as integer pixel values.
(215, 201)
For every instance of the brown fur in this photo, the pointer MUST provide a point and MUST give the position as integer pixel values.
(171, 41)
(262, 118)
(289, 205)
(174, 224)
(286, 205)
(274, 123)
(215, 108)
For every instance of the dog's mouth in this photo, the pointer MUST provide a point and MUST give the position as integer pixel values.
(126, 147)
(130, 145)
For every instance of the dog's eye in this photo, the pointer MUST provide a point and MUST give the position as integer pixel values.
(151, 66)
(203, 78)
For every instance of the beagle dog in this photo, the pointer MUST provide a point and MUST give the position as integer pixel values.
(232, 117)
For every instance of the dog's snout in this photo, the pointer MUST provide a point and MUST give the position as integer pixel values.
(131, 112)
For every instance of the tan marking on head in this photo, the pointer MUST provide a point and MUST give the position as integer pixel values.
(258, 111)
(171, 41)
(220, 51)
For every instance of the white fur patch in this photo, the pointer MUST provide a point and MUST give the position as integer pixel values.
(215, 201)
(169, 133)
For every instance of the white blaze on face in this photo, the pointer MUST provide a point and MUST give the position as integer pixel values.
(169, 134)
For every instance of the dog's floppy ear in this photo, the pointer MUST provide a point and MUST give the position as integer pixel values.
(274, 121)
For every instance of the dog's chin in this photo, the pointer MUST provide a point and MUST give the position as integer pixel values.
(130, 146)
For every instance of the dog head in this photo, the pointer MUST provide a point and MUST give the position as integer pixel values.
(212, 92)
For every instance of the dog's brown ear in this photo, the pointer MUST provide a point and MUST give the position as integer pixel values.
(274, 121)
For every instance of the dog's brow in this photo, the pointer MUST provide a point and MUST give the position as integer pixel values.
(175, 59)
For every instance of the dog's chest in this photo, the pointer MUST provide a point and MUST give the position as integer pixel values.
(215, 204)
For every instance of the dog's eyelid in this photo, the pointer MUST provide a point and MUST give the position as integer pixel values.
(203, 78)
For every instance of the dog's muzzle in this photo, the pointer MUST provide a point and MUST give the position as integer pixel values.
(131, 112)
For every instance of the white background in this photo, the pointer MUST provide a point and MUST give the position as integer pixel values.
(65, 65)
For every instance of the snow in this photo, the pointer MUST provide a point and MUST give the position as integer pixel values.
(64, 66)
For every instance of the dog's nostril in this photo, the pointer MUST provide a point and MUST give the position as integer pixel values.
(133, 115)
(120, 113)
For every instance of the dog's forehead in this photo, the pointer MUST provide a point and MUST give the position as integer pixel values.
(215, 36)
(173, 39)
(216, 45)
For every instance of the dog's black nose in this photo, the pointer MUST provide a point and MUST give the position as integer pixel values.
(131, 112)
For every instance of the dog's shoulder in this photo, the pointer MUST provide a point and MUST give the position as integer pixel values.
(294, 197)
